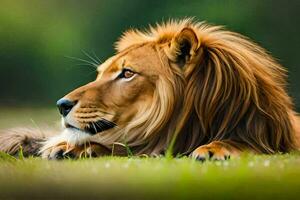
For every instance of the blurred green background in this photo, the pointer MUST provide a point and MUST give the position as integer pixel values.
(38, 37)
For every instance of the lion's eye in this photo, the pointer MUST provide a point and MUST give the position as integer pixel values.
(126, 73)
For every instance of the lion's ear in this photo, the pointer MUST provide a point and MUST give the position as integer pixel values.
(183, 46)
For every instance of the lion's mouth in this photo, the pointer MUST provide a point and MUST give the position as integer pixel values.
(99, 126)
(94, 127)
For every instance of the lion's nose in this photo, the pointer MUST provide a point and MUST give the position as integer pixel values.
(65, 106)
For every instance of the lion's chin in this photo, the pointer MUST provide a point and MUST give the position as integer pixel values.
(75, 136)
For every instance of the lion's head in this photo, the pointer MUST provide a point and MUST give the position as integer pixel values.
(183, 80)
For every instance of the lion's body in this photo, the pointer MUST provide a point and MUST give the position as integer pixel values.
(195, 84)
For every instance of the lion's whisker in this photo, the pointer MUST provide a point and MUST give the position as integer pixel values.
(97, 58)
(109, 123)
(83, 64)
(90, 57)
(94, 127)
(99, 125)
(95, 65)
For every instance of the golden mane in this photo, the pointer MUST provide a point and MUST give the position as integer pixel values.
(235, 92)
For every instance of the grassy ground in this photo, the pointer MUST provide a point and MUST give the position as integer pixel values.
(247, 177)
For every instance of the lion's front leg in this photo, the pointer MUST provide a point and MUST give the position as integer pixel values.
(64, 150)
(216, 150)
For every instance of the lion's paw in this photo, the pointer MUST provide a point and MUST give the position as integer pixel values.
(55, 153)
(212, 151)
(63, 151)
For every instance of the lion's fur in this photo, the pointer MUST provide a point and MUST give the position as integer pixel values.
(232, 90)
(30, 140)
(236, 91)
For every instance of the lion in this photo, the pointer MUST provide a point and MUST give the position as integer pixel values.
(180, 88)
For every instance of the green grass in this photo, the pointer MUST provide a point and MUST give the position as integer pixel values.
(247, 177)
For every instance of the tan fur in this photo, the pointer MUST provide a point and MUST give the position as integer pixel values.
(222, 88)
(29, 140)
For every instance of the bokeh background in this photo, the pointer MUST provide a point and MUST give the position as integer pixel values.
(38, 38)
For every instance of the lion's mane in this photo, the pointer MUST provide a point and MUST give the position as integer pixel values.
(235, 91)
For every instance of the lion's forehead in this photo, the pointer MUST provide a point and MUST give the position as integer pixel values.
(104, 66)
(112, 65)
(137, 58)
